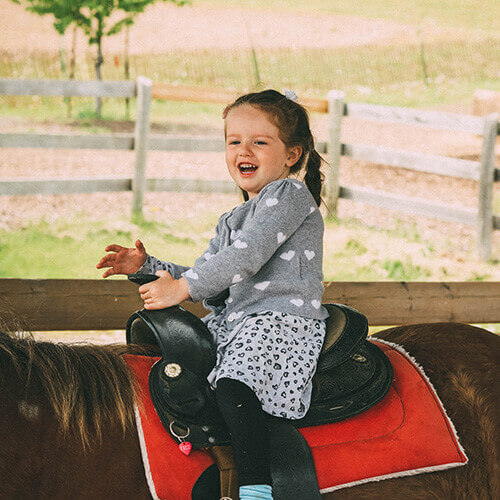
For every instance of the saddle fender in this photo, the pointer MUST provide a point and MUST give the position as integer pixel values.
(188, 354)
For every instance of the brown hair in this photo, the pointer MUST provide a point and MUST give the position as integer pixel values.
(292, 121)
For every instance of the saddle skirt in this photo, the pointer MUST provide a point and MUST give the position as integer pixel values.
(352, 374)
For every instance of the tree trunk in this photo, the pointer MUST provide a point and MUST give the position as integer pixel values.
(72, 66)
(127, 69)
(62, 60)
(98, 63)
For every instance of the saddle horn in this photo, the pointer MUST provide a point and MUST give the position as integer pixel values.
(180, 335)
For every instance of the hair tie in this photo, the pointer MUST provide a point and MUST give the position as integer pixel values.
(290, 94)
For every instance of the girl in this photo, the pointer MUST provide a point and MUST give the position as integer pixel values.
(261, 277)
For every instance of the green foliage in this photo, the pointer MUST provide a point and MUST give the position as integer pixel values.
(355, 247)
(93, 16)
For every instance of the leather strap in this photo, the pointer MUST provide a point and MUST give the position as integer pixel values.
(224, 458)
(292, 466)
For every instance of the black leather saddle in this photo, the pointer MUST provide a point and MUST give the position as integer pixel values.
(352, 375)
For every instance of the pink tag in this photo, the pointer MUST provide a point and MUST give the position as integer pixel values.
(185, 447)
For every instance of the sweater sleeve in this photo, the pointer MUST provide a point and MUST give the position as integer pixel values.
(152, 265)
(281, 207)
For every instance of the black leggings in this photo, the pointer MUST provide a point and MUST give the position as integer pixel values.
(246, 420)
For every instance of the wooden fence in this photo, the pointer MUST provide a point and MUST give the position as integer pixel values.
(58, 304)
(483, 171)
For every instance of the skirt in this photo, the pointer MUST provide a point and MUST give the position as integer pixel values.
(273, 353)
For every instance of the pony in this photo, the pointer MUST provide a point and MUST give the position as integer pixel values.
(67, 425)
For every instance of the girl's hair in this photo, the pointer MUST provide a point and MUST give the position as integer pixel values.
(292, 121)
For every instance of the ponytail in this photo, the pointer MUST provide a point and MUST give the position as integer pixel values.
(314, 177)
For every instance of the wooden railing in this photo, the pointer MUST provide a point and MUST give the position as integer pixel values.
(58, 304)
(483, 171)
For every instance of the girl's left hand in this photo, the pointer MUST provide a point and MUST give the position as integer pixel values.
(164, 292)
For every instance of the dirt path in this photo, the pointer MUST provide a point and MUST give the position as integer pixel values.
(163, 27)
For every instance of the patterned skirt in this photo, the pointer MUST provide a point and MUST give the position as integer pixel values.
(273, 353)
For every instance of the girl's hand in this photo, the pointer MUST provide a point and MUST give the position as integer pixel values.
(123, 260)
(164, 292)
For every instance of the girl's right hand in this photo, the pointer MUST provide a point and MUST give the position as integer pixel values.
(123, 260)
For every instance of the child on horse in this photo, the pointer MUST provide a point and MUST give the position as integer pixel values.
(261, 278)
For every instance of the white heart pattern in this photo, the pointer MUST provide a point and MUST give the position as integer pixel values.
(262, 285)
(297, 302)
(270, 202)
(235, 234)
(287, 255)
(207, 255)
(316, 304)
(234, 316)
(312, 209)
(309, 254)
(240, 244)
(281, 237)
(191, 274)
(229, 300)
(237, 278)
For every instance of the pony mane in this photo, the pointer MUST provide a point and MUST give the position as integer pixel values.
(86, 386)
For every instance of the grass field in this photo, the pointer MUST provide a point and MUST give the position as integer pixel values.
(70, 248)
(370, 74)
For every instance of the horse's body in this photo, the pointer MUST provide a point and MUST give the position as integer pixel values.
(67, 426)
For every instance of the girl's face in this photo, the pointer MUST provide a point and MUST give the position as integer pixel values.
(255, 154)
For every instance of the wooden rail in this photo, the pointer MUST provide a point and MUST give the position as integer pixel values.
(56, 304)
(483, 171)
(68, 88)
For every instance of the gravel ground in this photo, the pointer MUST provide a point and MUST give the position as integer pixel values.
(48, 163)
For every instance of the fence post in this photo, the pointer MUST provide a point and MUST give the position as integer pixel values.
(335, 113)
(141, 139)
(486, 178)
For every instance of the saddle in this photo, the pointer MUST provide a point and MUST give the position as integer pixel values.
(352, 375)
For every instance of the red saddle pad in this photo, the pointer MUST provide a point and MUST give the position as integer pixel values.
(388, 440)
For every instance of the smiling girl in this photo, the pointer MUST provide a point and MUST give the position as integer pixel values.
(261, 278)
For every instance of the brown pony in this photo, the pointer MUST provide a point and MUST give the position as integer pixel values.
(67, 427)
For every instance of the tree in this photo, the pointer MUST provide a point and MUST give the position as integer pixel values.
(93, 17)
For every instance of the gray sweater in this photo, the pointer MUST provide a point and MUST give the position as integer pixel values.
(266, 256)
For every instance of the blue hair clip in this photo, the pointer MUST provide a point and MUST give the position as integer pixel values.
(290, 94)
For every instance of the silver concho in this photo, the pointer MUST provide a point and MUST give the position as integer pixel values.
(172, 370)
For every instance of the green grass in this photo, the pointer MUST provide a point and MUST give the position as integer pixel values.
(70, 248)
(468, 14)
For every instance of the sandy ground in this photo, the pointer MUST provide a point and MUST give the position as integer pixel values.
(164, 26)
